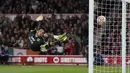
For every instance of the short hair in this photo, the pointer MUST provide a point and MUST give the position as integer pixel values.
(41, 30)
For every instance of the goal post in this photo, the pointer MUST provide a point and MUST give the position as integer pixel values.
(123, 36)
(91, 28)
(108, 43)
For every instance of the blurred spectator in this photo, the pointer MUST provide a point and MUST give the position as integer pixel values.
(60, 48)
(12, 41)
(0, 53)
(85, 52)
(20, 42)
(52, 51)
(4, 55)
(69, 47)
(0, 33)
(77, 42)
(98, 57)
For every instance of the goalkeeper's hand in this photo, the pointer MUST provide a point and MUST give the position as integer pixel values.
(43, 47)
(40, 18)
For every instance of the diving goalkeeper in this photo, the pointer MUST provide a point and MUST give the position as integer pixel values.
(37, 39)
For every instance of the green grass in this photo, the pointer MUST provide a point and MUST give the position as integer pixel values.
(58, 69)
(43, 69)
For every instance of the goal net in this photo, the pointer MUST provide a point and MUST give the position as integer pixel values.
(128, 37)
(107, 37)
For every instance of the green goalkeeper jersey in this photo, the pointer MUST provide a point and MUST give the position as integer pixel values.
(36, 43)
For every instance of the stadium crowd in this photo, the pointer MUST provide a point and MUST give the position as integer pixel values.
(43, 6)
(14, 33)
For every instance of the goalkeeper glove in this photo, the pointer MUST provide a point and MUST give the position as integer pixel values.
(43, 47)
(62, 37)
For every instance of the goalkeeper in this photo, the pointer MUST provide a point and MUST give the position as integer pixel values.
(37, 39)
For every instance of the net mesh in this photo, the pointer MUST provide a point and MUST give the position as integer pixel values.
(107, 37)
(128, 37)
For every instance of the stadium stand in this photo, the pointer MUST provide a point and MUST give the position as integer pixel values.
(43, 6)
(11, 30)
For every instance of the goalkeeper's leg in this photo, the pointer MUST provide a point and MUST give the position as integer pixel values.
(62, 37)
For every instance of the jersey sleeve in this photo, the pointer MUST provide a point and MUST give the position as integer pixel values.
(31, 36)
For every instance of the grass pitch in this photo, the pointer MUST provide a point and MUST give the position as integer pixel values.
(43, 69)
(59, 69)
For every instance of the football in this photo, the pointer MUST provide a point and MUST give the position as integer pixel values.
(101, 20)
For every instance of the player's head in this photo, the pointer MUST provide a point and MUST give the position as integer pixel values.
(40, 32)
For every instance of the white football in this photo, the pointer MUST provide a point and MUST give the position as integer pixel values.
(101, 20)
